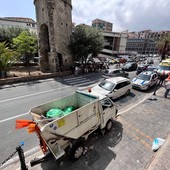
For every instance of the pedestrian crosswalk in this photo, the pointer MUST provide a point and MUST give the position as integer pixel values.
(80, 82)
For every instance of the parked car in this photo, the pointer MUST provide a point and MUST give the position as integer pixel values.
(144, 80)
(141, 68)
(164, 66)
(113, 87)
(150, 61)
(152, 68)
(108, 73)
(122, 60)
(130, 66)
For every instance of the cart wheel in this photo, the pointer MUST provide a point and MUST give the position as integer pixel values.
(77, 150)
(109, 125)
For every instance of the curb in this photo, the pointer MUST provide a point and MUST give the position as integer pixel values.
(158, 159)
(31, 78)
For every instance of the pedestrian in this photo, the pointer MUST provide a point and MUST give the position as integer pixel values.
(167, 87)
(162, 78)
(72, 70)
(76, 70)
(156, 87)
(168, 78)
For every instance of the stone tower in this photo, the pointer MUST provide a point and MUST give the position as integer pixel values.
(54, 26)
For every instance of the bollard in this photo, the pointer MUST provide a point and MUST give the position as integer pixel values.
(21, 158)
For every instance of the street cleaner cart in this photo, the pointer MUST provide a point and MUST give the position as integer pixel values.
(66, 131)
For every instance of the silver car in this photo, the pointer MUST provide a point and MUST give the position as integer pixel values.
(144, 80)
(108, 73)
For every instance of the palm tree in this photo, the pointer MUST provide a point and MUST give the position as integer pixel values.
(163, 46)
(7, 58)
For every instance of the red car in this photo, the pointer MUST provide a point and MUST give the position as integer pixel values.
(122, 60)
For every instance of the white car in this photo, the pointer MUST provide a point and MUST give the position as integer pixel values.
(113, 87)
(145, 80)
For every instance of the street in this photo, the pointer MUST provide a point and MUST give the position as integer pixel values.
(16, 100)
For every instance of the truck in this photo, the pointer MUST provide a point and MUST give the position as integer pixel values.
(66, 134)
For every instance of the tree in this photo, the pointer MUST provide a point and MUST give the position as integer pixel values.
(7, 58)
(26, 45)
(7, 34)
(86, 41)
(163, 46)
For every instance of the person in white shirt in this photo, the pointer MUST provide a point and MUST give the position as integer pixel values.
(167, 87)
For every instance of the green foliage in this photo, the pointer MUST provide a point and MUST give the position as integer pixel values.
(7, 57)
(86, 41)
(7, 34)
(163, 45)
(26, 45)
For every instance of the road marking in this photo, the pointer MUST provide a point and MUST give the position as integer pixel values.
(124, 110)
(28, 95)
(138, 139)
(135, 129)
(1, 121)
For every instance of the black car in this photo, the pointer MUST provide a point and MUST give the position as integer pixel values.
(130, 66)
(141, 68)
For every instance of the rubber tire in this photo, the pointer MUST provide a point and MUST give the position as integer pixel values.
(127, 92)
(109, 125)
(75, 148)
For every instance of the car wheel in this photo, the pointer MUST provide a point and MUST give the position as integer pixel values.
(77, 150)
(109, 125)
(127, 92)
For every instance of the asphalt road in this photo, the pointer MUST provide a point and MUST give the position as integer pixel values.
(16, 100)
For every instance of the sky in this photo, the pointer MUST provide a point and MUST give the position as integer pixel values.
(131, 15)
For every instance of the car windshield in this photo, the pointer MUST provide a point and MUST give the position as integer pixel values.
(106, 71)
(128, 64)
(144, 77)
(106, 85)
(164, 67)
(151, 68)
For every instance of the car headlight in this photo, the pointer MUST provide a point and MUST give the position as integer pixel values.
(146, 84)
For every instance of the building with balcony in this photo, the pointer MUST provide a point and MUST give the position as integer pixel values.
(155, 35)
(114, 44)
(102, 25)
(26, 23)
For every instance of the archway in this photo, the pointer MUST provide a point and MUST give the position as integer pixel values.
(44, 47)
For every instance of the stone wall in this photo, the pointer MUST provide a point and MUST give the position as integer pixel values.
(54, 23)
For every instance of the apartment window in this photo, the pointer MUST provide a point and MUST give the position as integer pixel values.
(28, 24)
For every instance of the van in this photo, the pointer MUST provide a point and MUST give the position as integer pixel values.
(113, 87)
(164, 66)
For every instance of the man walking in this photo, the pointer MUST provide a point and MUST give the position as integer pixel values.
(167, 87)
(162, 78)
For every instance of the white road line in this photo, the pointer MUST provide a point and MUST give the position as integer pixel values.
(1, 121)
(20, 97)
(123, 110)
(86, 83)
(75, 80)
(72, 78)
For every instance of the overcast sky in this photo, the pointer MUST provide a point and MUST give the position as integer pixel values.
(132, 15)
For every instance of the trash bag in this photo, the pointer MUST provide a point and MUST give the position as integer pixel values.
(52, 113)
(68, 110)
(157, 143)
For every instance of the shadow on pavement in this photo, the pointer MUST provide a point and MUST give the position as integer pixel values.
(124, 99)
(99, 152)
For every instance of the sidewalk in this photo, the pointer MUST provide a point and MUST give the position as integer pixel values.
(129, 144)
